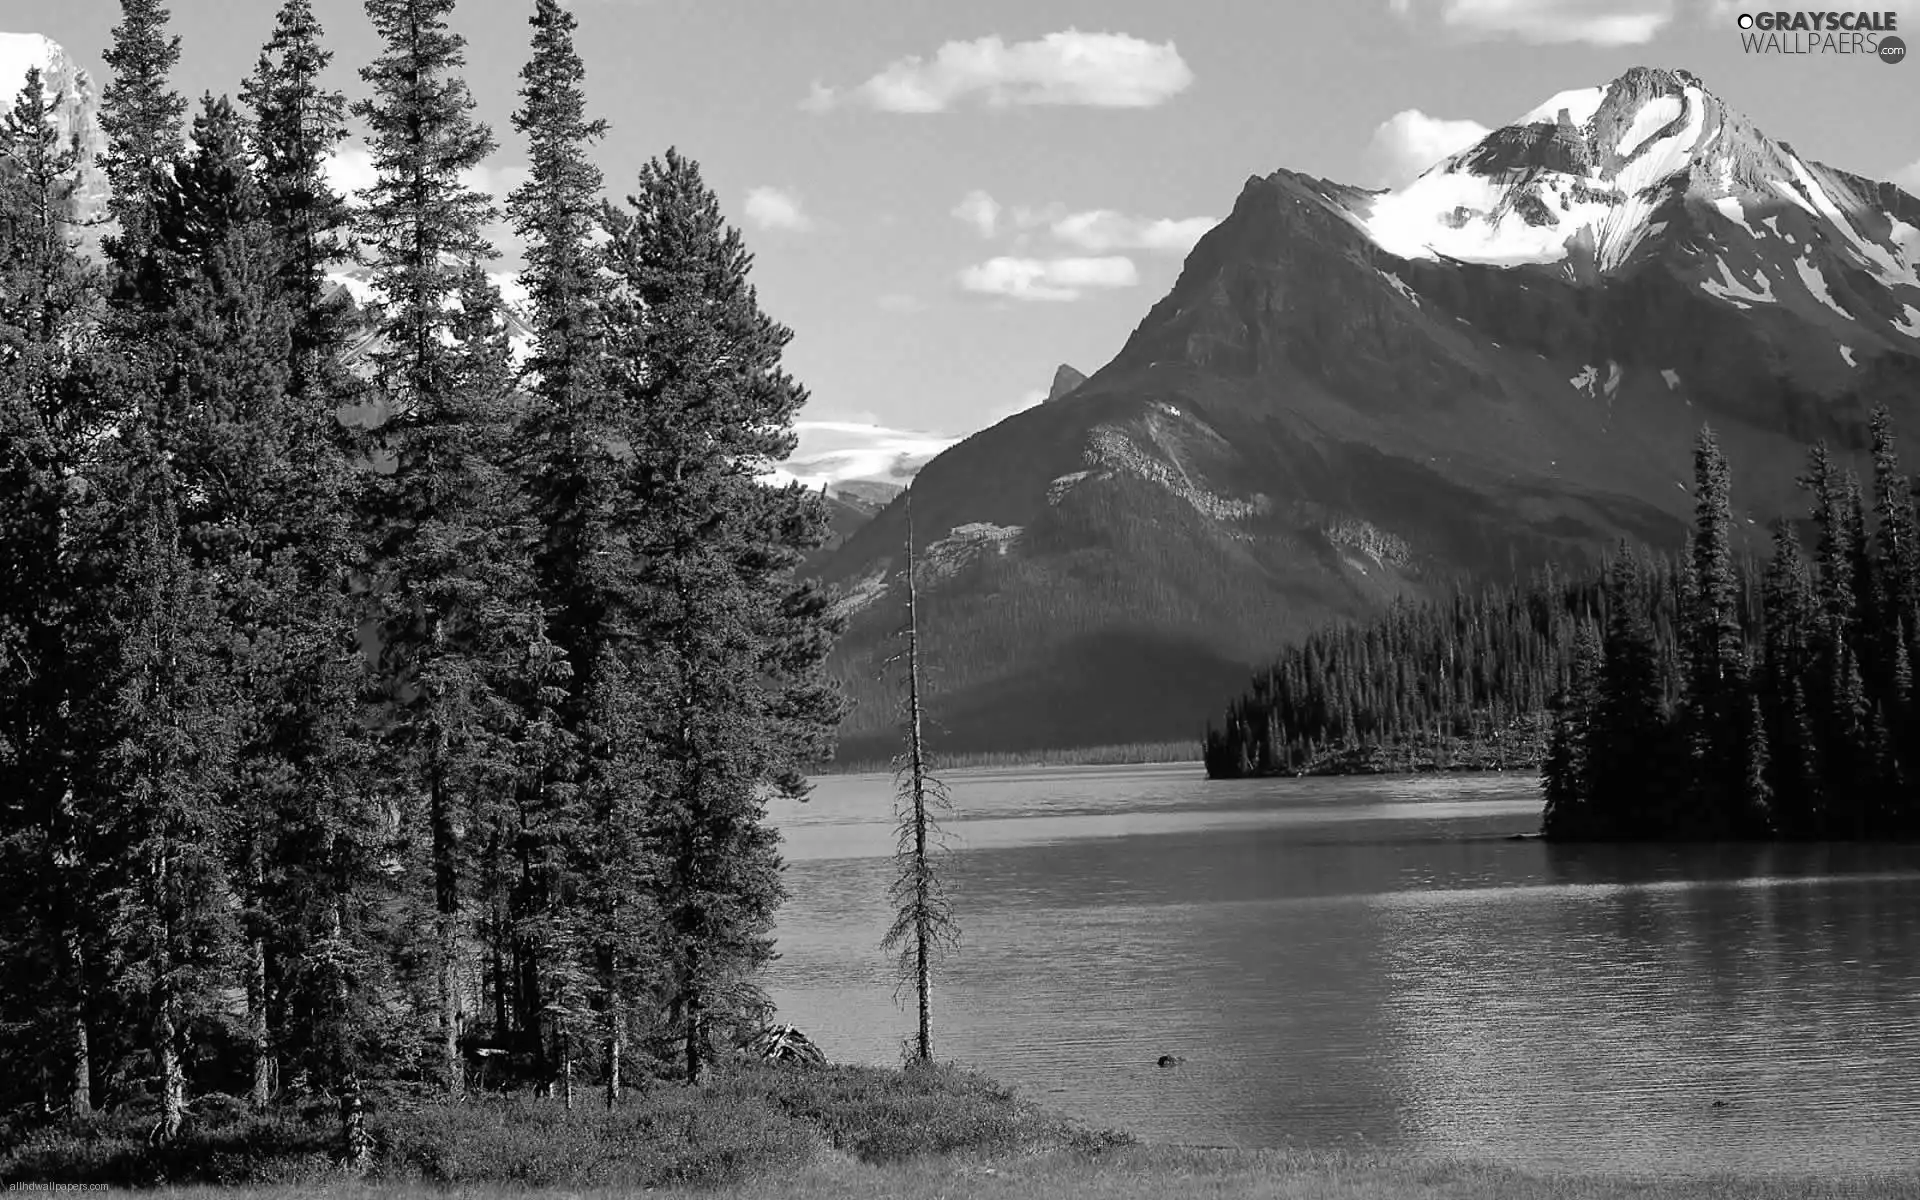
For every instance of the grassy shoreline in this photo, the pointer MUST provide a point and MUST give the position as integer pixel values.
(834, 1133)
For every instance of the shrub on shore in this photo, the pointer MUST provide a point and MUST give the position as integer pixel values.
(749, 1120)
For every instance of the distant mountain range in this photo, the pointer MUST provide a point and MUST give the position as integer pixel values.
(1351, 395)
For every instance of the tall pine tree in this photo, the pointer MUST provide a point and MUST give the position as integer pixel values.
(439, 556)
(51, 419)
(571, 474)
(735, 699)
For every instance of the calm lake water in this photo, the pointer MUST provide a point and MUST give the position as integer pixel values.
(1372, 962)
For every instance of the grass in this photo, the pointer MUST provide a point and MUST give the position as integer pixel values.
(758, 1132)
(1158, 1173)
(751, 1121)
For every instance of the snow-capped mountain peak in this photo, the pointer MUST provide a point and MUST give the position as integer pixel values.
(1596, 181)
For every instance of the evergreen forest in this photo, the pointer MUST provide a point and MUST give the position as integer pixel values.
(1661, 697)
(381, 702)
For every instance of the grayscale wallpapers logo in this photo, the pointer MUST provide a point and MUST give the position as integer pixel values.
(1864, 33)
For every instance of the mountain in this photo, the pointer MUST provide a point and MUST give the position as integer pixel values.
(76, 114)
(1064, 381)
(1351, 395)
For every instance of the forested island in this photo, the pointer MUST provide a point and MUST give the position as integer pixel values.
(1661, 697)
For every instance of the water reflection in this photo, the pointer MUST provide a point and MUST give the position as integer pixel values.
(1375, 960)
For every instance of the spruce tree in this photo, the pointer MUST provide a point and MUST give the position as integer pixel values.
(1631, 771)
(1567, 773)
(1724, 802)
(571, 473)
(1789, 654)
(297, 122)
(141, 117)
(736, 701)
(51, 418)
(439, 553)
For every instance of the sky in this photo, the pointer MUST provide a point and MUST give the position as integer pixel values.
(947, 201)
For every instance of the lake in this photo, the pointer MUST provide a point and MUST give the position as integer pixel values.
(1372, 962)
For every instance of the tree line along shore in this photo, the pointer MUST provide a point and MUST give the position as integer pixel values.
(1689, 697)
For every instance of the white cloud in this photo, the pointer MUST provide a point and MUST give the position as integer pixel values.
(1048, 278)
(833, 451)
(980, 211)
(1410, 141)
(1103, 230)
(1595, 22)
(349, 170)
(1908, 177)
(1100, 70)
(777, 208)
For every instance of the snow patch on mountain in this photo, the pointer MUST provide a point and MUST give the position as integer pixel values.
(1672, 377)
(1731, 289)
(1654, 116)
(1846, 352)
(1817, 285)
(1614, 376)
(1730, 208)
(1479, 206)
(1584, 381)
(1889, 269)
(1579, 103)
(1908, 322)
(1793, 194)
(1400, 286)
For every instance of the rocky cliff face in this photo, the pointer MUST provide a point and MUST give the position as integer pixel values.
(1350, 395)
(76, 107)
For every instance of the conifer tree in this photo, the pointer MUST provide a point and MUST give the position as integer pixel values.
(141, 116)
(1789, 649)
(440, 554)
(571, 475)
(1724, 801)
(50, 418)
(1631, 735)
(297, 122)
(1567, 773)
(736, 701)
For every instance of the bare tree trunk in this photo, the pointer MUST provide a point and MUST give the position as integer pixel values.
(446, 895)
(356, 1144)
(566, 1064)
(257, 1025)
(79, 1052)
(166, 1052)
(916, 748)
(616, 1047)
(173, 1082)
(73, 962)
(695, 1018)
